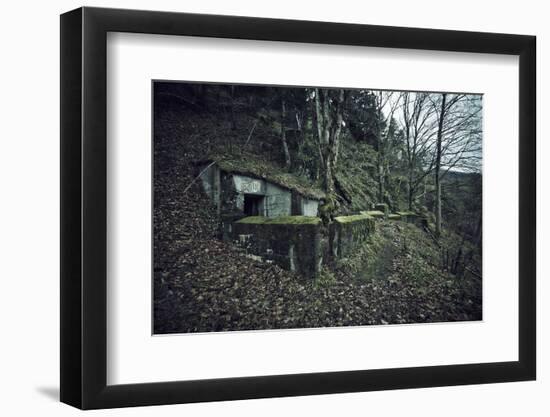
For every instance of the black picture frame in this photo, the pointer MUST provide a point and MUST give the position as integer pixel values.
(84, 207)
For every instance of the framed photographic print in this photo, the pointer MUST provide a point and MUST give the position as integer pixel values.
(257, 208)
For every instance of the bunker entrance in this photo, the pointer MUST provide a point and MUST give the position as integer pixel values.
(253, 204)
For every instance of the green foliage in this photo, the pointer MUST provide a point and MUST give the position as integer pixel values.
(362, 116)
(325, 279)
(355, 174)
(328, 209)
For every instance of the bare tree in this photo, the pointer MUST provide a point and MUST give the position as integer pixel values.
(458, 139)
(329, 109)
(419, 128)
(438, 152)
(386, 103)
(283, 134)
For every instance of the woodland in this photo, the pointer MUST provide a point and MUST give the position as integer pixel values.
(417, 152)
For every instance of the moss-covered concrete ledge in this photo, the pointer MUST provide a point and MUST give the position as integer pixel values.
(405, 216)
(349, 232)
(289, 220)
(292, 242)
(377, 214)
(407, 213)
(353, 218)
(413, 217)
(299, 243)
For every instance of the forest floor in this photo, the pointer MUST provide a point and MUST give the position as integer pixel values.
(203, 284)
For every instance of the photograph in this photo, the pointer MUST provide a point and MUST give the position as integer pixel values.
(291, 207)
(269, 209)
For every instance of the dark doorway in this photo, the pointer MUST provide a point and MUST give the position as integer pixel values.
(252, 204)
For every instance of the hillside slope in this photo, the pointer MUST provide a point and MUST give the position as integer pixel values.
(202, 284)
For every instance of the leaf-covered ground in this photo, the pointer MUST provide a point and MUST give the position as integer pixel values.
(202, 284)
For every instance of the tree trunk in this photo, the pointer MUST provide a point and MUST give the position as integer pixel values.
(438, 167)
(478, 232)
(233, 123)
(380, 159)
(329, 179)
(381, 185)
(332, 133)
(283, 134)
(329, 117)
(316, 114)
(410, 191)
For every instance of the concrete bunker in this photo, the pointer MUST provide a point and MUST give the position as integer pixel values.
(292, 242)
(253, 204)
(242, 191)
(275, 219)
(349, 232)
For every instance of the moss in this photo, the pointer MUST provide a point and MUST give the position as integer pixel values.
(394, 217)
(280, 220)
(362, 262)
(253, 166)
(407, 213)
(328, 209)
(353, 218)
(374, 213)
(355, 173)
(325, 279)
